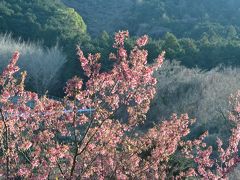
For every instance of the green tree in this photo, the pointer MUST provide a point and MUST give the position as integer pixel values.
(171, 46)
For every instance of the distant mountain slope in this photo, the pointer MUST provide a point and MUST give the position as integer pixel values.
(100, 15)
(184, 18)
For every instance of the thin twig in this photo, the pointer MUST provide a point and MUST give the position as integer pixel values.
(59, 167)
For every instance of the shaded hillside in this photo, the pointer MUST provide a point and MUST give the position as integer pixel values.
(101, 15)
(185, 17)
(156, 17)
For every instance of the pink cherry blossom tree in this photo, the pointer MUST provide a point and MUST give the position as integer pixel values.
(41, 138)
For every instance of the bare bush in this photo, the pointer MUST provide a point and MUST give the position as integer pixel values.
(203, 94)
(41, 64)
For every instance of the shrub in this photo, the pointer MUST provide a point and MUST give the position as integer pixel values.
(203, 94)
(42, 65)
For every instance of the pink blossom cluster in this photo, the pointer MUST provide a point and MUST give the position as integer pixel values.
(142, 41)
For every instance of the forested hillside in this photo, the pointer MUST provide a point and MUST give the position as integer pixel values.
(205, 35)
(102, 15)
(184, 18)
(46, 20)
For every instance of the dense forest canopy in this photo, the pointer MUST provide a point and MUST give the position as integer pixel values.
(36, 20)
(185, 17)
(181, 17)
(187, 30)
